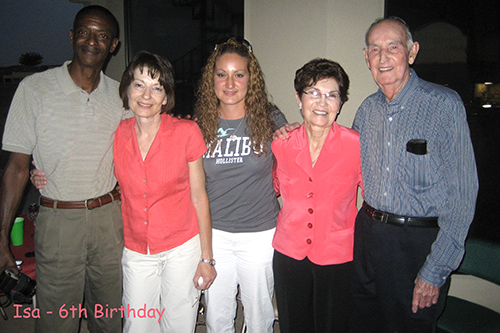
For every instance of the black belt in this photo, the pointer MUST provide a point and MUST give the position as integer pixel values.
(423, 222)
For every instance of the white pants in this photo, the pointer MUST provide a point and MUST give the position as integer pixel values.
(161, 285)
(243, 259)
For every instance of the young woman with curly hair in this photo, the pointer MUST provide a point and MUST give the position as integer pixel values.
(237, 122)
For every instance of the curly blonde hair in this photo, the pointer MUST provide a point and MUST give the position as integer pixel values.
(258, 111)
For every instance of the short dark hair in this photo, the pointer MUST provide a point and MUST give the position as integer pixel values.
(94, 9)
(319, 69)
(157, 67)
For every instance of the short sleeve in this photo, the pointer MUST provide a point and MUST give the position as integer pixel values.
(20, 132)
(196, 145)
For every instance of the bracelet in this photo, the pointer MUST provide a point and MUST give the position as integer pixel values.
(208, 261)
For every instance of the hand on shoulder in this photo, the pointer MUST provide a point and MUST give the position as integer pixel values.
(282, 132)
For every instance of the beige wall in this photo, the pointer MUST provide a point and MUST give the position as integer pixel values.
(285, 34)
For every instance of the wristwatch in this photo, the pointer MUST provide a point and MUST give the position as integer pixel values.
(208, 261)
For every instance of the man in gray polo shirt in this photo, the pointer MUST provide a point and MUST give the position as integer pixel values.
(65, 118)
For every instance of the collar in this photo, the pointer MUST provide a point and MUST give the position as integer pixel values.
(66, 83)
(303, 158)
(402, 95)
(304, 141)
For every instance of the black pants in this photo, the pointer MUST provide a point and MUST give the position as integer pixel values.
(312, 298)
(387, 259)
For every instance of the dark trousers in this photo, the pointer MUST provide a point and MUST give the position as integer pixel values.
(311, 298)
(387, 259)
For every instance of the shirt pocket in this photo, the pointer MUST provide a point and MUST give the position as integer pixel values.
(418, 172)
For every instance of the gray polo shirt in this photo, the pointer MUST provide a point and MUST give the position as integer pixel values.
(68, 131)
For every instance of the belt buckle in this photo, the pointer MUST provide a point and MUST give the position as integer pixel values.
(381, 216)
(93, 203)
(88, 204)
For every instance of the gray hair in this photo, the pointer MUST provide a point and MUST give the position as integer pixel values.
(409, 37)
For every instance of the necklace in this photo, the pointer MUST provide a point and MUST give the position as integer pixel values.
(233, 136)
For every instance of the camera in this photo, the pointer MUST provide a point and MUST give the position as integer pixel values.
(19, 288)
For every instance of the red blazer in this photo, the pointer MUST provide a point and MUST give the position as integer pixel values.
(319, 204)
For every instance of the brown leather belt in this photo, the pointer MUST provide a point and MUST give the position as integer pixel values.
(399, 220)
(86, 204)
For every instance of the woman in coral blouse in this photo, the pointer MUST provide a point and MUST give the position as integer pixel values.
(166, 215)
(317, 174)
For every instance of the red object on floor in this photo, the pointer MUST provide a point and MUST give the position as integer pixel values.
(19, 252)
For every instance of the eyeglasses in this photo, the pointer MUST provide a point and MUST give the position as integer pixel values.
(243, 42)
(315, 94)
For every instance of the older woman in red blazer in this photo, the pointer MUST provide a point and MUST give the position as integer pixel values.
(317, 174)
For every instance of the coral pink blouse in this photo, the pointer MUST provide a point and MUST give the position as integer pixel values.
(156, 199)
(319, 204)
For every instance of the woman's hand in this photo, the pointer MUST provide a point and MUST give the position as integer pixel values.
(199, 198)
(187, 117)
(282, 132)
(207, 274)
(38, 178)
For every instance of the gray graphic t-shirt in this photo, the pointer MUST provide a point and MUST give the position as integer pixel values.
(240, 183)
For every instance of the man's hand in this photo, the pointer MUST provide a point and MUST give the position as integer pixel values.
(7, 260)
(282, 132)
(38, 178)
(424, 295)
